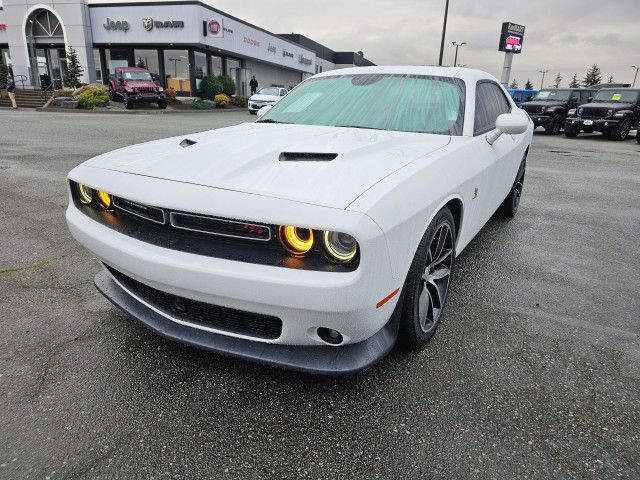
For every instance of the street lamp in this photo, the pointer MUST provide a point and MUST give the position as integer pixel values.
(543, 72)
(635, 76)
(444, 31)
(457, 45)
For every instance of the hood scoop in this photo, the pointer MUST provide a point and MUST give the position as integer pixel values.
(187, 143)
(306, 157)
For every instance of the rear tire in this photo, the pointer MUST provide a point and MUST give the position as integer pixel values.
(509, 206)
(554, 125)
(427, 284)
(621, 131)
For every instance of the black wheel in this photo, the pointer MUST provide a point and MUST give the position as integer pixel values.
(112, 94)
(571, 132)
(128, 102)
(253, 112)
(162, 104)
(427, 284)
(621, 132)
(638, 135)
(554, 125)
(509, 206)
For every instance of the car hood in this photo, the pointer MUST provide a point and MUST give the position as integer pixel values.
(264, 98)
(612, 105)
(140, 83)
(247, 158)
(543, 104)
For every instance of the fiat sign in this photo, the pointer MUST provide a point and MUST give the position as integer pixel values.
(215, 28)
(511, 38)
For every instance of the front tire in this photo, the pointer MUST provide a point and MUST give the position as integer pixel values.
(509, 206)
(554, 125)
(428, 280)
(571, 132)
(128, 102)
(621, 132)
(162, 104)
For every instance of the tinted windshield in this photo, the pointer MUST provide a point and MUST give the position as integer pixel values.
(406, 103)
(269, 91)
(137, 76)
(553, 95)
(618, 95)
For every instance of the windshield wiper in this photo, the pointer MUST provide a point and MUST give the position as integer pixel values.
(359, 126)
(270, 120)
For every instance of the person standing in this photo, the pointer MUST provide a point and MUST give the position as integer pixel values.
(254, 85)
(11, 90)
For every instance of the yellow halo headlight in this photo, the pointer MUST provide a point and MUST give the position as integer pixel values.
(297, 241)
(341, 247)
(104, 199)
(85, 194)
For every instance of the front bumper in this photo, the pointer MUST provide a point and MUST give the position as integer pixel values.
(539, 120)
(254, 107)
(326, 360)
(147, 98)
(591, 124)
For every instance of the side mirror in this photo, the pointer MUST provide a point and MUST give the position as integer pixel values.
(263, 110)
(510, 124)
(589, 99)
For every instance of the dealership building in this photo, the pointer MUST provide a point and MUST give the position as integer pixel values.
(177, 41)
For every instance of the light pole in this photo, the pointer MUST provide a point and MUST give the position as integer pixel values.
(635, 76)
(455, 59)
(543, 72)
(444, 31)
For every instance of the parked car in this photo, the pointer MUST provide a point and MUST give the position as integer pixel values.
(614, 112)
(265, 96)
(133, 85)
(550, 106)
(520, 95)
(315, 237)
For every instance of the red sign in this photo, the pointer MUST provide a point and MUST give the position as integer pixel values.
(214, 27)
(3, 27)
(252, 41)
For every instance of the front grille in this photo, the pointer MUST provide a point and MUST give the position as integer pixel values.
(594, 112)
(219, 226)
(144, 211)
(532, 108)
(221, 318)
(146, 89)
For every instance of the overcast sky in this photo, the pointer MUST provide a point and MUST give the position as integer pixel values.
(563, 36)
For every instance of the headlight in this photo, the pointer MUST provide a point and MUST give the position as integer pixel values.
(571, 113)
(104, 199)
(341, 247)
(297, 241)
(85, 194)
(580, 110)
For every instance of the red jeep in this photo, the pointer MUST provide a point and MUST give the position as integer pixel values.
(134, 84)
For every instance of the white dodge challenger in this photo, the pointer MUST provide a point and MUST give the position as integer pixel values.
(321, 234)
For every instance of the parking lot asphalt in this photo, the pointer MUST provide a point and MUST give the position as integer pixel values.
(534, 373)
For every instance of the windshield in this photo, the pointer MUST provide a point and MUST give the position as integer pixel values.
(269, 91)
(405, 103)
(616, 95)
(137, 76)
(553, 95)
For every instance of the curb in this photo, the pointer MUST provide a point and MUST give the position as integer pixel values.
(139, 112)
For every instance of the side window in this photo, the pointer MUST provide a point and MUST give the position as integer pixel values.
(490, 103)
(584, 96)
(517, 97)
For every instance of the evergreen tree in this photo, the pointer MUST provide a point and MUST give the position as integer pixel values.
(528, 85)
(74, 70)
(593, 76)
(557, 80)
(574, 81)
(514, 84)
(610, 79)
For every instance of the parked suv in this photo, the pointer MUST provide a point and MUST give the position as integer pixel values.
(550, 106)
(614, 112)
(135, 85)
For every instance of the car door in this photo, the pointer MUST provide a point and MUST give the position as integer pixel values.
(501, 166)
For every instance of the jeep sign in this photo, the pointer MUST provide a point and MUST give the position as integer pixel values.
(122, 25)
(511, 38)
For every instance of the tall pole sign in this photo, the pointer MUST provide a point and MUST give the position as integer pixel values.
(511, 39)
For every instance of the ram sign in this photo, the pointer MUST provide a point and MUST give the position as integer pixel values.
(511, 38)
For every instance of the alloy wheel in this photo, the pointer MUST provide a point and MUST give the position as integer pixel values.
(434, 284)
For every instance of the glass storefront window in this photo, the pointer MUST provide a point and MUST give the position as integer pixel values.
(148, 59)
(116, 58)
(98, 67)
(200, 60)
(216, 66)
(5, 57)
(176, 70)
(234, 71)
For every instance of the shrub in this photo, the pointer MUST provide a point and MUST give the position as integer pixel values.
(202, 105)
(228, 85)
(222, 100)
(171, 94)
(211, 86)
(93, 97)
(241, 101)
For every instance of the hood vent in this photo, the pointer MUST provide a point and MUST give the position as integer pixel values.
(307, 157)
(187, 143)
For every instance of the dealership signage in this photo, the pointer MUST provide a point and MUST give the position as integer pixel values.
(121, 25)
(252, 41)
(3, 27)
(286, 54)
(271, 48)
(214, 28)
(511, 38)
(149, 23)
(305, 60)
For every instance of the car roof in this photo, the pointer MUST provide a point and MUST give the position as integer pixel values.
(133, 69)
(470, 75)
(620, 88)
